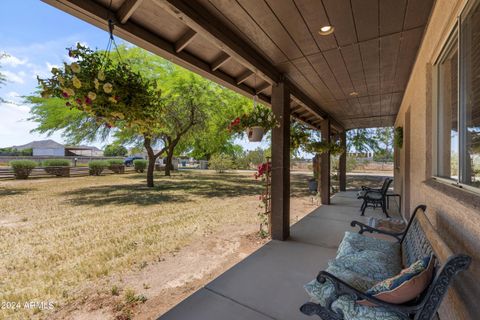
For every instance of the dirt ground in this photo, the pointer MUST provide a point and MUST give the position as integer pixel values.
(109, 248)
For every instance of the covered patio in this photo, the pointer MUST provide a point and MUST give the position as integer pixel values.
(335, 65)
(269, 283)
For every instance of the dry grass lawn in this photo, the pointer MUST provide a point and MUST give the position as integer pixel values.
(62, 235)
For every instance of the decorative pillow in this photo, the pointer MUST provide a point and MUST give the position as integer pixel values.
(374, 264)
(407, 285)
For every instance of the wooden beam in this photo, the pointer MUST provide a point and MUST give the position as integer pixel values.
(244, 76)
(194, 15)
(126, 10)
(263, 88)
(97, 15)
(325, 165)
(342, 163)
(280, 216)
(220, 61)
(183, 42)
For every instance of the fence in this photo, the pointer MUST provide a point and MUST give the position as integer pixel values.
(6, 173)
(39, 159)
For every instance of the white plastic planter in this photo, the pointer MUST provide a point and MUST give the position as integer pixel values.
(255, 134)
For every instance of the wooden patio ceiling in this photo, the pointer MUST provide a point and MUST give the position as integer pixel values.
(355, 76)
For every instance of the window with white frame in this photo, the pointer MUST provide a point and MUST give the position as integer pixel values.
(458, 102)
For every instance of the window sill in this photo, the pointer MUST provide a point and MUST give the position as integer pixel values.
(461, 193)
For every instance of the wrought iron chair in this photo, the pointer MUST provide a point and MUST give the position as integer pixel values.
(375, 197)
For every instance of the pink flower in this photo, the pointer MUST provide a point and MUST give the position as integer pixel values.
(65, 95)
(88, 100)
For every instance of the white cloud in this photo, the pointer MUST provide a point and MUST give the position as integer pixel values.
(15, 128)
(13, 61)
(16, 77)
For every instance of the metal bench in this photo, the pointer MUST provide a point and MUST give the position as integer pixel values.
(419, 239)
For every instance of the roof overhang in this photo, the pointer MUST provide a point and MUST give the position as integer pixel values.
(355, 77)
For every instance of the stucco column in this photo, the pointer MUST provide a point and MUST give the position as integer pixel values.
(280, 225)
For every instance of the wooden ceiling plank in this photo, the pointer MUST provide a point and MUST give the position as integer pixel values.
(323, 70)
(365, 14)
(392, 15)
(265, 18)
(335, 61)
(293, 22)
(263, 87)
(353, 62)
(220, 61)
(233, 15)
(315, 17)
(340, 14)
(409, 45)
(417, 13)
(370, 52)
(183, 42)
(244, 76)
(389, 48)
(126, 10)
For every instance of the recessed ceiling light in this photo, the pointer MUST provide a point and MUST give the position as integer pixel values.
(353, 94)
(326, 30)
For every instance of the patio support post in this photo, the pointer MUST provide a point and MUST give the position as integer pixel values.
(280, 219)
(342, 165)
(325, 164)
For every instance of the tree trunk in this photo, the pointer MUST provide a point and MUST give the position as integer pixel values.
(169, 164)
(151, 162)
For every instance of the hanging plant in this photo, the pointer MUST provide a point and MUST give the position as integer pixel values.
(398, 137)
(255, 123)
(321, 147)
(104, 89)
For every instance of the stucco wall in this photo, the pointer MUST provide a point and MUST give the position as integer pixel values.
(455, 213)
(48, 152)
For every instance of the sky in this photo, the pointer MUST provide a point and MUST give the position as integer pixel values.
(35, 35)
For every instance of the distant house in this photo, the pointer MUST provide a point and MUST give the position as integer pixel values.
(85, 151)
(44, 148)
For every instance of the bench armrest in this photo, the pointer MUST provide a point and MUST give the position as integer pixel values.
(364, 188)
(364, 227)
(343, 288)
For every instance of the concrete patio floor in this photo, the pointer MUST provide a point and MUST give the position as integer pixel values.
(268, 284)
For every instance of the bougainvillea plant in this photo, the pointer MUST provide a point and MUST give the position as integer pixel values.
(263, 173)
(259, 117)
(107, 90)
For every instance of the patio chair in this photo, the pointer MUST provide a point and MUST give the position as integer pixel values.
(375, 197)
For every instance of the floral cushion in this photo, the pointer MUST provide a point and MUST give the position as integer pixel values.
(321, 292)
(353, 311)
(373, 264)
(353, 242)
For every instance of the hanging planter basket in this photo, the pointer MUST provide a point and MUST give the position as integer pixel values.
(255, 134)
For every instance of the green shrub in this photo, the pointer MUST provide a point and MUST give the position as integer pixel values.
(220, 162)
(140, 165)
(57, 167)
(57, 163)
(22, 168)
(116, 165)
(96, 167)
(115, 161)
